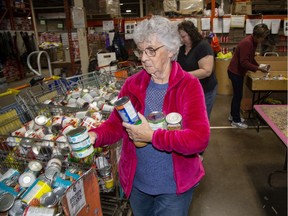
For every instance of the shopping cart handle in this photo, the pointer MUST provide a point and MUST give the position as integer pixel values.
(113, 63)
(9, 91)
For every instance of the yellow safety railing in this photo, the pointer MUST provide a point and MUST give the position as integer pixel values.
(16, 90)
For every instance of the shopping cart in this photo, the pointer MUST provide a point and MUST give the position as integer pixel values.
(17, 151)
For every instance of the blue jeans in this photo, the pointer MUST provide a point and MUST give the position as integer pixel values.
(143, 204)
(237, 84)
(210, 99)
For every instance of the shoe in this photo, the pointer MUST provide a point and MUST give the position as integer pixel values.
(230, 118)
(240, 125)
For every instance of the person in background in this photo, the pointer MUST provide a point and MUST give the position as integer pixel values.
(197, 58)
(159, 176)
(243, 60)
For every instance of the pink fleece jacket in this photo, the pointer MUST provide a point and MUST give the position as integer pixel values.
(185, 96)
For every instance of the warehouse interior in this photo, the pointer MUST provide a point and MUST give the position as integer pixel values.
(245, 170)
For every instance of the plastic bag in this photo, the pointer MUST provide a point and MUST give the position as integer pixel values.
(215, 44)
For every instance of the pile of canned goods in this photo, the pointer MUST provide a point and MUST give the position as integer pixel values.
(90, 98)
(45, 137)
(36, 191)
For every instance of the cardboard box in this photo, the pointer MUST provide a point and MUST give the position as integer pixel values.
(224, 83)
(111, 7)
(242, 8)
(105, 58)
(169, 5)
(277, 63)
(271, 58)
(190, 6)
(260, 84)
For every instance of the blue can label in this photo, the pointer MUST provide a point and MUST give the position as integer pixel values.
(126, 110)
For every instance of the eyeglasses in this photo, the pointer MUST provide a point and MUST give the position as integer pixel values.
(149, 51)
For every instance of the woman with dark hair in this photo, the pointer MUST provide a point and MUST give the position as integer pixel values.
(197, 58)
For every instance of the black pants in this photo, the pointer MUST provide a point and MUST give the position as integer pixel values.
(237, 84)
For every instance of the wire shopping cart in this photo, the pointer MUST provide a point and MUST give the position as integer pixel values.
(51, 100)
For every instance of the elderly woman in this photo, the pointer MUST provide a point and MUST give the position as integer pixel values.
(197, 57)
(159, 177)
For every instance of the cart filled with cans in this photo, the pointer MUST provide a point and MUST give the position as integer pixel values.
(51, 152)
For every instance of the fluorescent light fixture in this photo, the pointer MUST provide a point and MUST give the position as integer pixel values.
(121, 4)
(128, 11)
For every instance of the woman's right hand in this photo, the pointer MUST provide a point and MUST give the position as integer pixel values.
(264, 68)
(93, 137)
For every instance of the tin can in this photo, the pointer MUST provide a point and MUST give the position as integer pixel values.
(88, 122)
(107, 108)
(34, 166)
(81, 102)
(54, 161)
(57, 120)
(48, 140)
(40, 133)
(77, 135)
(44, 152)
(126, 110)
(109, 182)
(87, 97)
(26, 179)
(81, 114)
(72, 102)
(70, 121)
(10, 176)
(67, 129)
(42, 120)
(26, 145)
(81, 145)
(174, 120)
(156, 120)
(100, 101)
(94, 92)
(38, 188)
(17, 208)
(76, 94)
(6, 201)
(84, 152)
(49, 200)
(53, 168)
(59, 191)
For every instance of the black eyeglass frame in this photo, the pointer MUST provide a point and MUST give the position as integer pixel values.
(139, 52)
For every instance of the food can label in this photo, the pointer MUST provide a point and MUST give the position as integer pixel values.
(83, 153)
(38, 188)
(36, 211)
(127, 112)
(77, 135)
(81, 145)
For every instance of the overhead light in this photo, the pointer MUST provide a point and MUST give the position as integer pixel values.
(128, 11)
(121, 4)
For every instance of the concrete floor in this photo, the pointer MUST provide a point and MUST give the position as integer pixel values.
(237, 163)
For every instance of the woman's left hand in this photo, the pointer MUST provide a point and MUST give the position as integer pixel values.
(142, 132)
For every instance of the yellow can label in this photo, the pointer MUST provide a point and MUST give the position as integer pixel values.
(36, 191)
